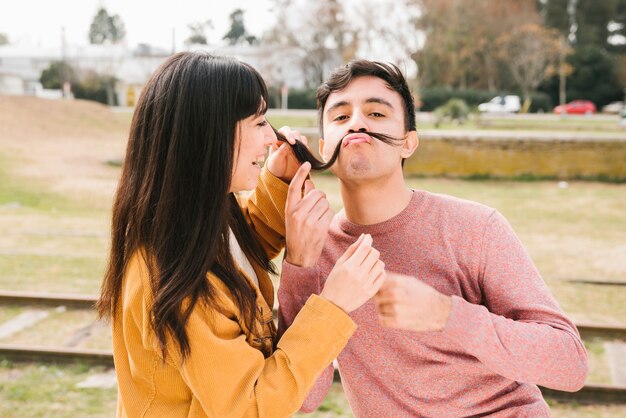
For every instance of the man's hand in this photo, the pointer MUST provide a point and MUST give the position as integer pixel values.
(282, 162)
(406, 302)
(307, 218)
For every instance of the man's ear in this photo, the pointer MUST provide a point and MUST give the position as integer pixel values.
(410, 144)
(321, 148)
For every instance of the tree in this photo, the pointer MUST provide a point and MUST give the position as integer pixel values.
(237, 33)
(56, 74)
(459, 49)
(106, 28)
(4, 39)
(317, 30)
(531, 53)
(198, 32)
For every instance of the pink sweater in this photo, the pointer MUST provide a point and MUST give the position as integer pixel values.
(505, 334)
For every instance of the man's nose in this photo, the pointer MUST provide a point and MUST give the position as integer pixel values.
(357, 124)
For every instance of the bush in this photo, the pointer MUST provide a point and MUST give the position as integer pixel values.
(541, 103)
(436, 97)
(298, 98)
(455, 110)
(53, 76)
(96, 87)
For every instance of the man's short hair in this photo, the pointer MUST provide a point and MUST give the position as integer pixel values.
(342, 76)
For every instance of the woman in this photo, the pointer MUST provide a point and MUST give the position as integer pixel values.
(187, 285)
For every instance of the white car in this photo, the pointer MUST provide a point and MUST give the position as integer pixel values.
(501, 104)
(615, 107)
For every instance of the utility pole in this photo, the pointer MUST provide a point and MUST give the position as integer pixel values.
(173, 41)
(65, 83)
(562, 69)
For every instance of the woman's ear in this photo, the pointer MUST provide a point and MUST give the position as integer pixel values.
(410, 144)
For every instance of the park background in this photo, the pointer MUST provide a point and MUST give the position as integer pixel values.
(69, 80)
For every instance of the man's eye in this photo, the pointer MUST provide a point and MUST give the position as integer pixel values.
(340, 117)
(378, 115)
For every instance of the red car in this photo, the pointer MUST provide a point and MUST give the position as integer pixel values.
(576, 107)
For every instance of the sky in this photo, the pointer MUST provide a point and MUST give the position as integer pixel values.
(39, 22)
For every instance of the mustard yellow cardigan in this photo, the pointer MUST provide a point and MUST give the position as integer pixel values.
(231, 372)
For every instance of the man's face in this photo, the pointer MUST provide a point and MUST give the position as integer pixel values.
(366, 104)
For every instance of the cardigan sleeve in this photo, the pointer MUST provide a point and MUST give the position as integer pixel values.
(297, 284)
(230, 378)
(264, 210)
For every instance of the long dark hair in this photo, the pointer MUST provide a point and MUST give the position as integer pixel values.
(303, 154)
(173, 201)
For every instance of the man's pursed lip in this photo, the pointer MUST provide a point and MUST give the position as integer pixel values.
(356, 138)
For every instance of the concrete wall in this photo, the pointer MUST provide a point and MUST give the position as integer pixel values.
(561, 157)
(514, 154)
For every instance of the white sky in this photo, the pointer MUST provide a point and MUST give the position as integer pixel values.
(39, 22)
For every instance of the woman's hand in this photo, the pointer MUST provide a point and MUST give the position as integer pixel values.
(282, 162)
(307, 218)
(356, 277)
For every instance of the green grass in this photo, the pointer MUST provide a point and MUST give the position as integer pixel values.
(51, 273)
(476, 122)
(37, 390)
(17, 192)
(9, 311)
(292, 121)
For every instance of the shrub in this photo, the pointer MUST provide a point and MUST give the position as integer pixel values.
(455, 110)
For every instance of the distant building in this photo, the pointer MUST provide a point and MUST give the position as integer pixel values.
(21, 67)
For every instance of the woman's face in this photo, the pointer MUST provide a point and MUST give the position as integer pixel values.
(254, 135)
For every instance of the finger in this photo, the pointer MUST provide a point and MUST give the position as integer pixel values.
(379, 281)
(304, 140)
(385, 309)
(317, 212)
(362, 250)
(377, 268)
(309, 201)
(328, 216)
(351, 249)
(289, 135)
(294, 136)
(370, 260)
(294, 194)
(308, 186)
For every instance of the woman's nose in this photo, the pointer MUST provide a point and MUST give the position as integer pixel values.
(270, 136)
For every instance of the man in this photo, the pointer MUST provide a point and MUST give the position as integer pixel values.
(464, 324)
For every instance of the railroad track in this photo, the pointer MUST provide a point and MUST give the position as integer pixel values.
(590, 393)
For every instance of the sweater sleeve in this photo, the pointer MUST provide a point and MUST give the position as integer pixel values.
(519, 331)
(296, 285)
(230, 378)
(264, 210)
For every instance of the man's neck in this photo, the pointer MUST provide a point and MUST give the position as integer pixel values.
(369, 202)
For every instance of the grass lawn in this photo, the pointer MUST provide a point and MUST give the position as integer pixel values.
(481, 122)
(31, 390)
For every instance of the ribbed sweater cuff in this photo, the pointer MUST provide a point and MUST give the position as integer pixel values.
(296, 272)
